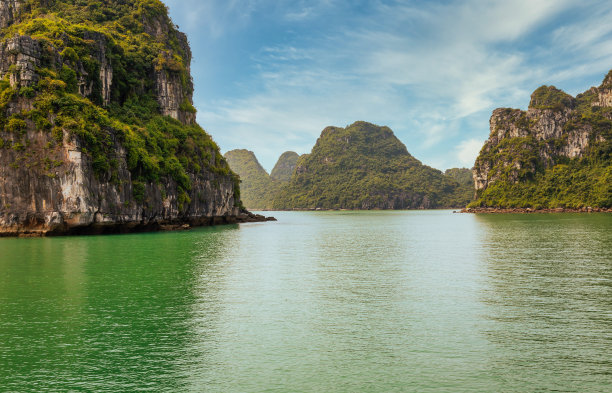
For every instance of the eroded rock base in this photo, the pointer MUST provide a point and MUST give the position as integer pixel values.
(38, 229)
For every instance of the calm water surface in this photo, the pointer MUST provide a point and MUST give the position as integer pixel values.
(319, 302)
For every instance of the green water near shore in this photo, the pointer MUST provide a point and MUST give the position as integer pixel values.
(424, 301)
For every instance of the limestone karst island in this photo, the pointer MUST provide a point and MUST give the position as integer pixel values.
(254, 196)
(98, 127)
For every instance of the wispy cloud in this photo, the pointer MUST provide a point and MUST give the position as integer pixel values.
(433, 71)
(468, 150)
(211, 17)
(301, 14)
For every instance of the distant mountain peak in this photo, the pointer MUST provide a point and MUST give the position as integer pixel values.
(365, 166)
(285, 166)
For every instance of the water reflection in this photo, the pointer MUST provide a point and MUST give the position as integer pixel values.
(344, 302)
(97, 313)
(334, 302)
(42, 295)
(548, 299)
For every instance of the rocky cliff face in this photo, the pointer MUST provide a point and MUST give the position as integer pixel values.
(9, 10)
(173, 89)
(541, 130)
(61, 195)
(19, 57)
(557, 132)
(67, 165)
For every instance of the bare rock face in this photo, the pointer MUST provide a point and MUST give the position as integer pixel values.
(20, 56)
(61, 194)
(604, 93)
(9, 10)
(171, 95)
(174, 94)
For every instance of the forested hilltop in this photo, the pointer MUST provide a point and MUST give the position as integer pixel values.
(362, 166)
(286, 164)
(365, 166)
(557, 154)
(97, 124)
(257, 188)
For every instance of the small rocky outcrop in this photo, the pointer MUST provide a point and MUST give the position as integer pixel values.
(604, 93)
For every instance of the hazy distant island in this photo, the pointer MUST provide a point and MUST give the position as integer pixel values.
(362, 166)
(556, 155)
(258, 188)
(97, 126)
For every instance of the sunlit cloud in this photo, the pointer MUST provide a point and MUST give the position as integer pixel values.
(274, 74)
(467, 151)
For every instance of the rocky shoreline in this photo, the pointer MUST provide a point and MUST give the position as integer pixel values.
(496, 210)
(38, 230)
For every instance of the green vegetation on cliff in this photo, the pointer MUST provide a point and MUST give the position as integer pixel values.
(558, 154)
(572, 185)
(549, 97)
(285, 166)
(465, 180)
(364, 166)
(257, 188)
(85, 47)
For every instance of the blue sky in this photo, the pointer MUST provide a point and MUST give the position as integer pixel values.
(270, 74)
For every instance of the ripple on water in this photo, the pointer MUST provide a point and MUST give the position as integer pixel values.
(425, 301)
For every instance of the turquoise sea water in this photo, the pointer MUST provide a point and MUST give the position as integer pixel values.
(423, 301)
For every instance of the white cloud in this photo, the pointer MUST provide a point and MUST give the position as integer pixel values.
(212, 17)
(467, 151)
(304, 13)
(426, 72)
(575, 36)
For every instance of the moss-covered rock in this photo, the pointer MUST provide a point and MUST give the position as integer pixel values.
(549, 97)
